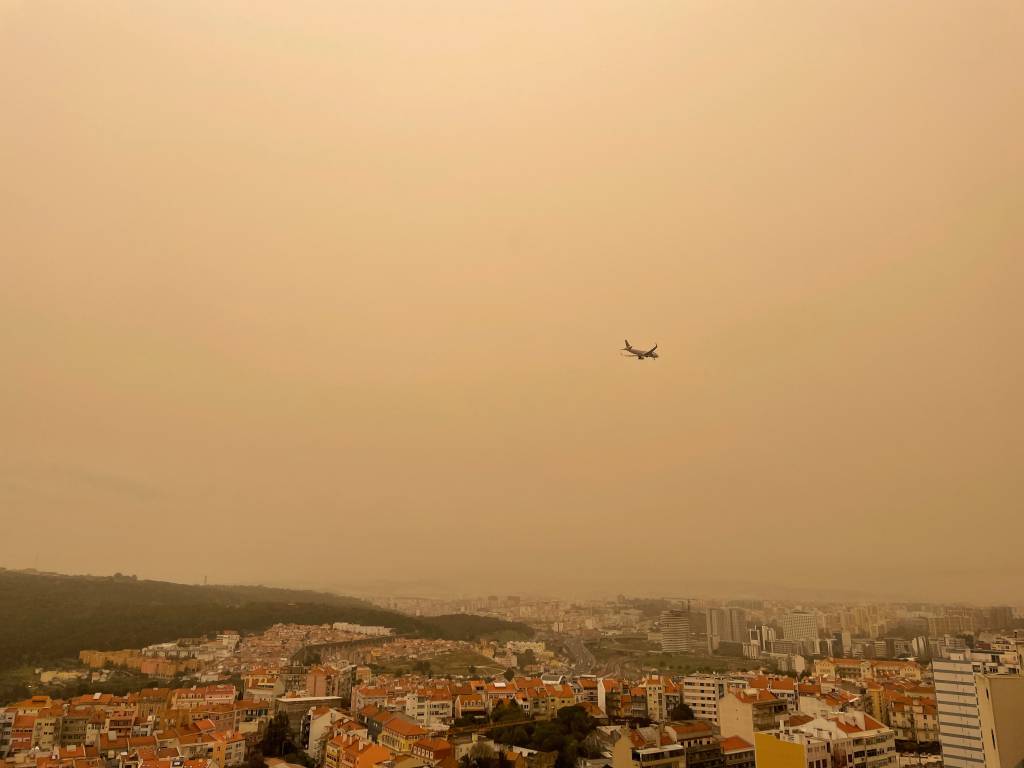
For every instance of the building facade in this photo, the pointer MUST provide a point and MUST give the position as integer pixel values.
(675, 631)
(956, 697)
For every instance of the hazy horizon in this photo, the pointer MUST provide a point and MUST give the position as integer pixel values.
(331, 293)
(804, 594)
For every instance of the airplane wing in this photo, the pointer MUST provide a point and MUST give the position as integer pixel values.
(652, 349)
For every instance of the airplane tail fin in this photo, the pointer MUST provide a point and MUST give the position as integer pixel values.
(628, 346)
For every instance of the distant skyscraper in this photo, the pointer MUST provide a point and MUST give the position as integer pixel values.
(800, 625)
(715, 620)
(737, 623)
(727, 625)
(763, 635)
(842, 643)
(1000, 617)
(675, 631)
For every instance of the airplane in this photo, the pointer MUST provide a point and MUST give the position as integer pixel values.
(639, 353)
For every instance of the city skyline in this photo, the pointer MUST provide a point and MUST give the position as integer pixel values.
(377, 591)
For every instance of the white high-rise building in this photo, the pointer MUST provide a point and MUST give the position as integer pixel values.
(701, 693)
(800, 625)
(956, 696)
(675, 631)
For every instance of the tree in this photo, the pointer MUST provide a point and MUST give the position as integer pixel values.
(568, 734)
(277, 741)
(506, 711)
(482, 755)
(526, 658)
(255, 759)
(509, 674)
(519, 737)
(682, 711)
(482, 751)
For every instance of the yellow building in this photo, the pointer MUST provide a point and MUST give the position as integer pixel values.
(399, 734)
(790, 750)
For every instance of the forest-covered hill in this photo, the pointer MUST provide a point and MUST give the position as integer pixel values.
(45, 616)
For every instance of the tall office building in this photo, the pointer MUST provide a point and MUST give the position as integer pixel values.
(956, 695)
(715, 621)
(800, 625)
(763, 635)
(727, 625)
(675, 631)
(842, 644)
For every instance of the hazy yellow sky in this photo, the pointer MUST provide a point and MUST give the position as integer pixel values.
(331, 293)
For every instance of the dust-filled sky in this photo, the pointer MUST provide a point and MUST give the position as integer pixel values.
(331, 293)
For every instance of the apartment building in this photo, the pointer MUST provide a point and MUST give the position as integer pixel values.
(843, 740)
(727, 624)
(737, 753)
(675, 631)
(701, 693)
(789, 748)
(626, 755)
(1001, 719)
(744, 713)
(799, 626)
(399, 734)
(956, 695)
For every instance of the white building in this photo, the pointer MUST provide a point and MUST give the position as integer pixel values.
(429, 708)
(701, 693)
(956, 696)
(316, 726)
(675, 631)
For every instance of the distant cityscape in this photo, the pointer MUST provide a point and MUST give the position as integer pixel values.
(619, 683)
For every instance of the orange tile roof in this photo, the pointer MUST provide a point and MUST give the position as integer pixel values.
(404, 727)
(735, 744)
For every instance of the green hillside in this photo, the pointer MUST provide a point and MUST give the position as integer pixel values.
(44, 617)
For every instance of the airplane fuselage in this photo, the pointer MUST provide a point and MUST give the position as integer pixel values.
(640, 354)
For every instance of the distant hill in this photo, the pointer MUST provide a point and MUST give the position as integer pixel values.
(45, 616)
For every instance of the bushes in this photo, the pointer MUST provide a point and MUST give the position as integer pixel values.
(566, 734)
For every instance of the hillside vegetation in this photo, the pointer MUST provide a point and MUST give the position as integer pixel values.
(44, 617)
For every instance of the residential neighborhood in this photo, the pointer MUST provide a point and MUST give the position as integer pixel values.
(256, 701)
